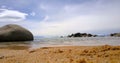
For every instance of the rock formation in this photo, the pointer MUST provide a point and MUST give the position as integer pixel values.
(115, 35)
(81, 35)
(12, 32)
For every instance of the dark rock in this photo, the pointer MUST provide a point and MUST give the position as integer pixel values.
(90, 35)
(81, 35)
(115, 34)
(14, 32)
(77, 35)
(94, 35)
(84, 34)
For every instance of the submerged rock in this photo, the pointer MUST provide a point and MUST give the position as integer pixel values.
(12, 32)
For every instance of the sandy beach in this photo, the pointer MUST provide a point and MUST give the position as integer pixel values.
(61, 54)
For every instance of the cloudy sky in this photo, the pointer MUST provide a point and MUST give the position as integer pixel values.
(62, 17)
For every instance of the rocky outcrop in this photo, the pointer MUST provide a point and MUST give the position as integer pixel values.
(81, 35)
(115, 35)
(14, 32)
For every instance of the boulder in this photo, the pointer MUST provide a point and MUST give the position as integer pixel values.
(115, 35)
(13, 32)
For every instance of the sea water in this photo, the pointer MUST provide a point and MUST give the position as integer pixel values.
(80, 41)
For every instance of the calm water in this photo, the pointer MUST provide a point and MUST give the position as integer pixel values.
(84, 41)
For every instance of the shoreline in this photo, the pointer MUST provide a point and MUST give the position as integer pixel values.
(28, 47)
(61, 54)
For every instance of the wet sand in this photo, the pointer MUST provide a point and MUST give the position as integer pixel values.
(61, 54)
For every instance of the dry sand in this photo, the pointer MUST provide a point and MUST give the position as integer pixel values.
(62, 54)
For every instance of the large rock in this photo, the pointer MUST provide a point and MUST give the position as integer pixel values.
(115, 35)
(14, 32)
